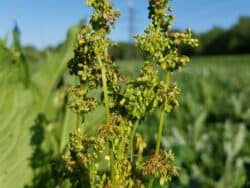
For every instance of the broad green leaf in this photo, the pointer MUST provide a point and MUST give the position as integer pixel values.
(17, 114)
(47, 78)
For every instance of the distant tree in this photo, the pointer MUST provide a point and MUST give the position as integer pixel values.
(235, 40)
(240, 38)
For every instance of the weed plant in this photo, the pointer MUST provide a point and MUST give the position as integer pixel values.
(115, 156)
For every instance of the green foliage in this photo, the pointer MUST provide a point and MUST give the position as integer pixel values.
(212, 147)
(52, 121)
(16, 117)
(31, 135)
(19, 58)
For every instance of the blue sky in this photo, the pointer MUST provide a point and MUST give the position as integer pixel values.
(45, 22)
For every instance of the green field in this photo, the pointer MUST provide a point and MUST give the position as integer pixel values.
(209, 132)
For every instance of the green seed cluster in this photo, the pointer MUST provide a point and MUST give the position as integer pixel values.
(160, 49)
(163, 47)
(126, 104)
(104, 15)
(158, 12)
(119, 136)
(83, 151)
(139, 97)
(147, 93)
(92, 47)
(91, 57)
(161, 166)
(80, 103)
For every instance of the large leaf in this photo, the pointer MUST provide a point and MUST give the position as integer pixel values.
(17, 113)
(21, 106)
(49, 75)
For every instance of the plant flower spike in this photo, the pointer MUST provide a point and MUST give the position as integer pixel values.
(115, 155)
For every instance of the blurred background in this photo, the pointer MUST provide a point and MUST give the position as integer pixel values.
(209, 133)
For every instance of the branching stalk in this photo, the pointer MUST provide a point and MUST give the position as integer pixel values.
(136, 100)
(78, 121)
(160, 130)
(131, 142)
(106, 103)
(105, 91)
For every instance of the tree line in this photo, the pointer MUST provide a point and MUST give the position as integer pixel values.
(217, 41)
(235, 40)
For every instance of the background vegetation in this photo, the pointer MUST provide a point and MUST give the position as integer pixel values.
(209, 133)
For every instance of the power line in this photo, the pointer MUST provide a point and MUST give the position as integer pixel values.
(131, 20)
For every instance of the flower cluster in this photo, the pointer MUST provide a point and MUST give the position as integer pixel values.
(161, 166)
(81, 158)
(91, 57)
(80, 103)
(115, 156)
(159, 15)
(162, 47)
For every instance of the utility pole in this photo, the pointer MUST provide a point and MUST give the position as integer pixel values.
(131, 20)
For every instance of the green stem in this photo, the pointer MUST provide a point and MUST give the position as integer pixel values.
(78, 121)
(160, 130)
(105, 91)
(131, 142)
(158, 143)
(106, 103)
(151, 181)
(64, 127)
(113, 184)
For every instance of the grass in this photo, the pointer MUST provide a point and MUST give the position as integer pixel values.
(226, 62)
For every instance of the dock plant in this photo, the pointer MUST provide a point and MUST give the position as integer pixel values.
(115, 156)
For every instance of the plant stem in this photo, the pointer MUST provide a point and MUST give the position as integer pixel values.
(105, 91)
(113, 184)
(78, 121)
(106, 103)
(160, 129)
(131, 142)
(158, 143)
(151, 181)
(64, 127)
